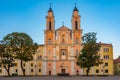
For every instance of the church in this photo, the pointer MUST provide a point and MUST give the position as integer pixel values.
(62, 45)
(61, 48)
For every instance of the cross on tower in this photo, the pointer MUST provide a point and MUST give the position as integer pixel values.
(75, 4)
(63, 23)
(50, 5)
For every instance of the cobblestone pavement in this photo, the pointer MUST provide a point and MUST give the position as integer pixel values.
(62, 78)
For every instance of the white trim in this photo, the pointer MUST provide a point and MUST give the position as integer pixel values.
(54, 62)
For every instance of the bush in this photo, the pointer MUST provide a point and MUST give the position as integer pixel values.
(14, 74)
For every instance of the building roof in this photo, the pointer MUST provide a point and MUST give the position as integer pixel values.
(117, 60)
(63, 28)
(105, 43)
(75, 9)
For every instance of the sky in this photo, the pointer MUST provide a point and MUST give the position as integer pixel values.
(100, 16)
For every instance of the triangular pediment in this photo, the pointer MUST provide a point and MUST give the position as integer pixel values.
(63, 28)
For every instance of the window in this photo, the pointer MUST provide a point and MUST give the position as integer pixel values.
(76, 40)
(0, 65)
(106, 49)
(0, 70)
(16, 70)
(63, 52)
(31, 64)
(76, 25)
(39, 64)
(49, 41)
(39, 70)
(31, 70)
(97, 71)
(106, 64)
(106, 71)
(106, 56)
(50, 27)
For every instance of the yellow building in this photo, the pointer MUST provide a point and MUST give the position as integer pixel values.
(117, 66)
(33, 67)
(58, 54)
(106, 54)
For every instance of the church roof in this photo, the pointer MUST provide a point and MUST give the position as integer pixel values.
(63, 28)
(75, 9)
(50, 10)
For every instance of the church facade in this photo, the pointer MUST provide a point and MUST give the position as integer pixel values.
(62, 45)
(60, 51)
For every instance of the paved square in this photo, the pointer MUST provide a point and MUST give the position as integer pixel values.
(61, 78)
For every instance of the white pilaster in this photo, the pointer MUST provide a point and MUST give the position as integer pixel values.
(72, 62)
(44, 63)
(54, 62)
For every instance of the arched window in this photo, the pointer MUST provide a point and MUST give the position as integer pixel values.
(76, 25)
(49, 41)
(50, 26)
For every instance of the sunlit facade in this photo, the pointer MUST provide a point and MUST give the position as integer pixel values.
(60, 50)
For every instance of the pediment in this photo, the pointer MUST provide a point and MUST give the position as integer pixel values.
(63, 28)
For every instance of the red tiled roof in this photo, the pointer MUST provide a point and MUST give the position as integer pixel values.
(117, 60)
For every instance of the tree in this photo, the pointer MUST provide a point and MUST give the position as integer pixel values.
(89, 56)
(6, 56)
(23, 47)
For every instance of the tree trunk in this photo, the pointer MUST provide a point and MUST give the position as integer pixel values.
(22, 68)
(87, 71)
(8, 70)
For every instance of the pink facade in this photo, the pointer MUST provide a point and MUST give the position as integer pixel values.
(62, 46)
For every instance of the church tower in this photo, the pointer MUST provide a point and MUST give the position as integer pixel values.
(49, 51)
(50, 27)
(76, 28)
(50, 20)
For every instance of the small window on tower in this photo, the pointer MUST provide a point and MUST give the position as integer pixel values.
(76, 40)
(76, 25)
(50, 25)
(49, 41)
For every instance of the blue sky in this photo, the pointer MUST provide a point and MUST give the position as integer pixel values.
(101, 16)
